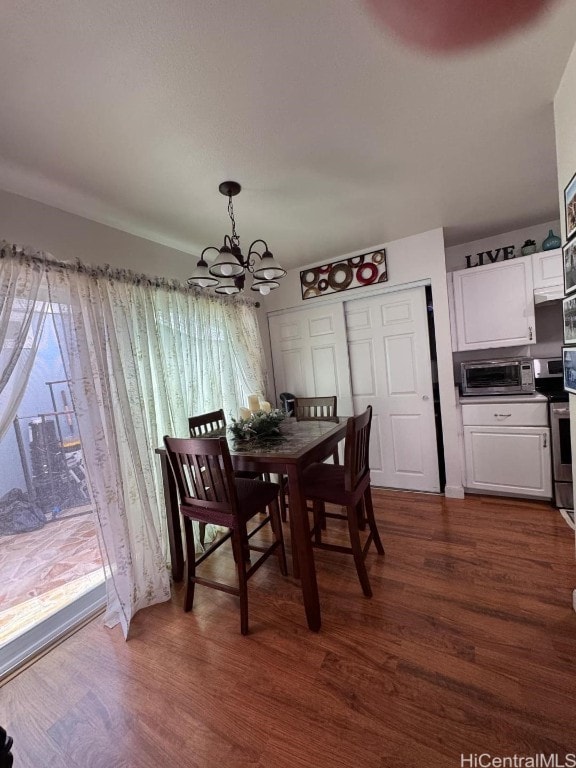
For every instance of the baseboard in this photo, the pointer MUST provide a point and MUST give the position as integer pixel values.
(454, 492)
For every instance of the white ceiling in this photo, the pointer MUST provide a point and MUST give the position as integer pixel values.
(131, 112)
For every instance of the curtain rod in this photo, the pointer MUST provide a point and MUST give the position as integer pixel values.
(48, 261)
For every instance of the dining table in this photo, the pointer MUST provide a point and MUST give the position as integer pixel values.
(299, 444)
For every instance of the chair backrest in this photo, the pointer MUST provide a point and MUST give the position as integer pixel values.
(204, 476)
(206, 423)
(315, 408)
(287, 402)
(357, 449)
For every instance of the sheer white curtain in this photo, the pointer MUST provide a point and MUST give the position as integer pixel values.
(141, 358)
(141, 355)
(22, 318)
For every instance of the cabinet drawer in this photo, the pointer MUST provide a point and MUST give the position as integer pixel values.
(505, 414)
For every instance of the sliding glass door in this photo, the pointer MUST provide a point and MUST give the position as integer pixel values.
(49, 550)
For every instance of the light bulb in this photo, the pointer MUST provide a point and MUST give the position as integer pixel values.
(226, 269)
(229, 289)
(264, 290)
(269, 274)
(203, 283)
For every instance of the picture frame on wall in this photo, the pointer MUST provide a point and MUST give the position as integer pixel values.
(570, 208)
(569, 315)
(569, 364)
(569, 261)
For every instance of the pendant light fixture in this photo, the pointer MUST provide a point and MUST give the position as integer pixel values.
(227, 273)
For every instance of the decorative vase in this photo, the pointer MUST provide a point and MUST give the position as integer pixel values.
(552, 241)
(528, 249)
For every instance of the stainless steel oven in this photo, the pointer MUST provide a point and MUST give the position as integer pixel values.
(550, 382)
(561, 454)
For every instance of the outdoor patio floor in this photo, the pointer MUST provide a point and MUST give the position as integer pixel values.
(44, 570)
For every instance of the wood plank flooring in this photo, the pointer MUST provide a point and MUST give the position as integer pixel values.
(468, 646)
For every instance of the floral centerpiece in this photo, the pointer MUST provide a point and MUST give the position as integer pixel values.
(261, 424)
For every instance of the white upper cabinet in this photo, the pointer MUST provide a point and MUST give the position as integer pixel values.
(494, 305)
(548, 273)
(547, 269)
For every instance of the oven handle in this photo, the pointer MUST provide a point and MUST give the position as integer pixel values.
(560, 412)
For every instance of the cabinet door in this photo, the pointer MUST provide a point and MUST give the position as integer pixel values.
(547, 269)
(310, 354)
(512, 460)
(495, 305)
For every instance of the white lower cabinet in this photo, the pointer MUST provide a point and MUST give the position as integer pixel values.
(507, 446)
(510, 460)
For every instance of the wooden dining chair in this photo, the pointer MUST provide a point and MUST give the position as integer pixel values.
(311, 409)
(205, 424)
(316, 408)
(210, 425)
(209, 492)
(347, 486)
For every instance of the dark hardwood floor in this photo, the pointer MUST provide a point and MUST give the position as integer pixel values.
(468, 646)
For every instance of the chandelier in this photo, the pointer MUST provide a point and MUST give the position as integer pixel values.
(227, 274)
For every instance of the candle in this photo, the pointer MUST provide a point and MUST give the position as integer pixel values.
(265, 406)
(254, 403)
(245, 413)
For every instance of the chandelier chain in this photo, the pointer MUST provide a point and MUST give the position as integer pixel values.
(235, 238)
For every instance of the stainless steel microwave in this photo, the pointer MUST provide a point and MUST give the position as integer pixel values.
(498, 377)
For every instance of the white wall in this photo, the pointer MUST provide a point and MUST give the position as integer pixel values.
(416, 259)
(67, 236)
(565, 122)
(456, 254)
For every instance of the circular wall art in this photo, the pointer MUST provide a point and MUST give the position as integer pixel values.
(322, 284)
(367, 273)
(309, 277)
(356, 261)
(378, 257)
(340, 277)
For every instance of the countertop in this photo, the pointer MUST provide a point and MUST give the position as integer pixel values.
(536, 397)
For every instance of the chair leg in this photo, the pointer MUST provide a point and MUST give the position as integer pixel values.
(201, 533)
(336, 457)
(238, 538)
(283, 513)
(361, 515)
(276, 524)
(318, 508)
(357, 551)
(243, 533)
(190, 564)
(372, 521)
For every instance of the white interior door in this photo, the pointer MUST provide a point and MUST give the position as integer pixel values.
(390, 367)
(310, 354)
